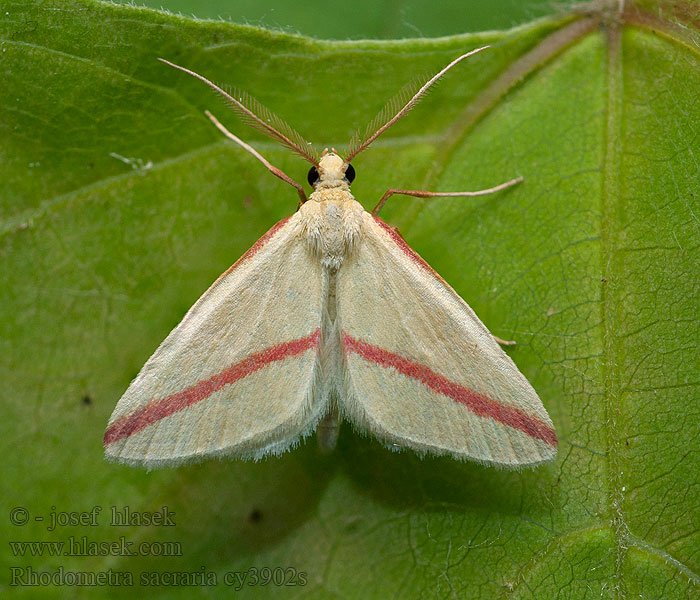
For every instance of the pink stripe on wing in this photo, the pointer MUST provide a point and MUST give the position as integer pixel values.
(159, 409)
(252, 251)
(479, 404)
(407, 250)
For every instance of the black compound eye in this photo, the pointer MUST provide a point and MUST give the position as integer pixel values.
(350, 173)
(313, 176)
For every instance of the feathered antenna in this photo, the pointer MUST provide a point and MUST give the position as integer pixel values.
(382, 121)
(391, 108)
(258, 116)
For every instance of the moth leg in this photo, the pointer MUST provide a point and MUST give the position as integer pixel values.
(426, 194)
(504, 342)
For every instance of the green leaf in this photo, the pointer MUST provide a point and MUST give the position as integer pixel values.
(120, 203)
(367, 19)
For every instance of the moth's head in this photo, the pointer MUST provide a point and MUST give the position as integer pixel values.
(331, 170)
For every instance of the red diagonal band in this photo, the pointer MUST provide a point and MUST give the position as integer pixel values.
(478, 403)
(158, 409)
(253, 250)
(416, 258)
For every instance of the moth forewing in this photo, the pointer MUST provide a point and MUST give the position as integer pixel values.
(431, 377)
(238, 376)
(330, 315)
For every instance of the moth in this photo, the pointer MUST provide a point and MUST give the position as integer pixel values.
(329, 316)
